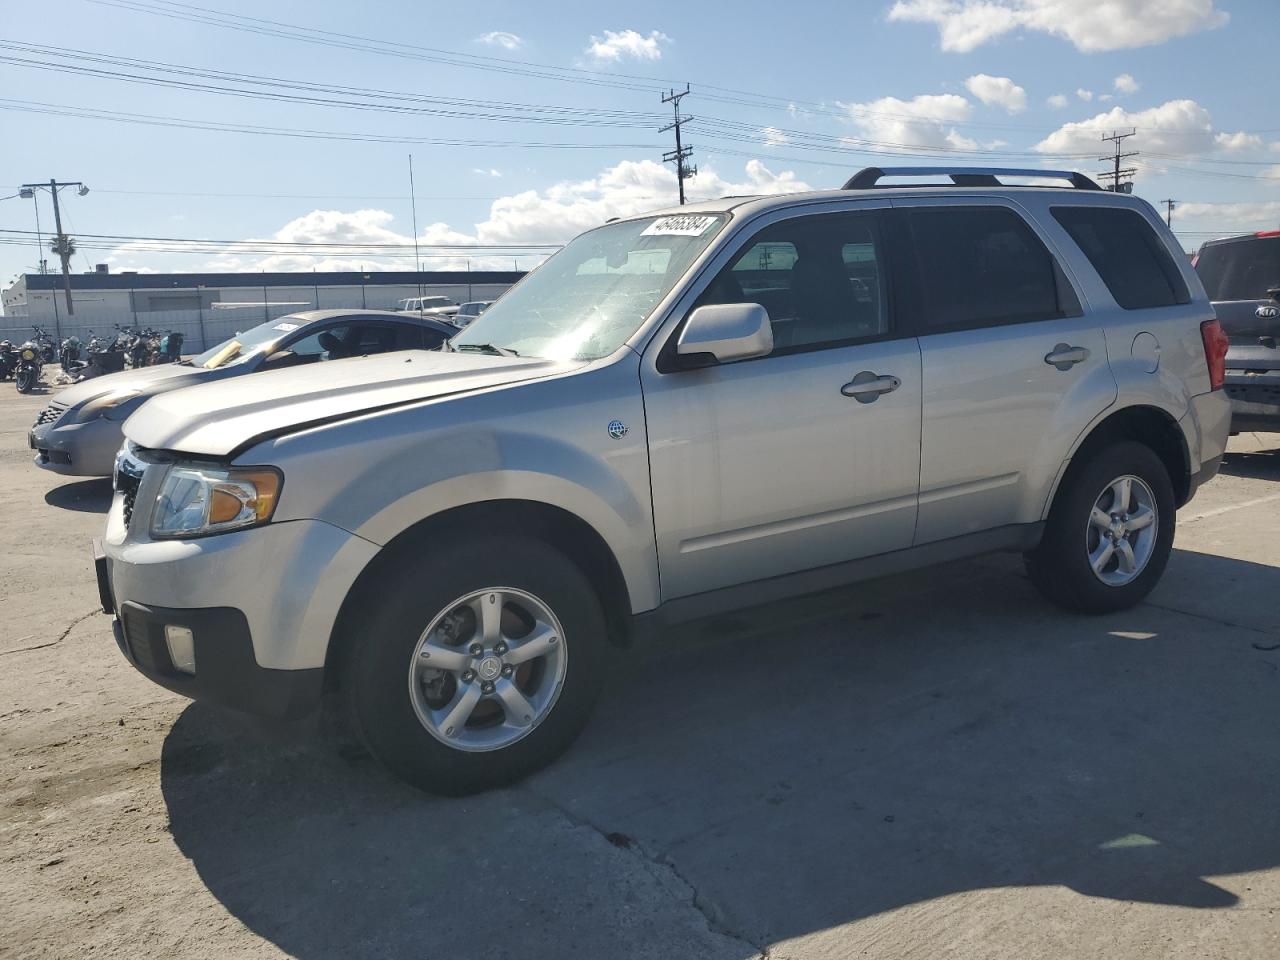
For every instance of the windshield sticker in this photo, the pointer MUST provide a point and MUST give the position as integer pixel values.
(688, 225)
(286, 327)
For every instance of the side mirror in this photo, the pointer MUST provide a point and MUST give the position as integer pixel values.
(727, 332)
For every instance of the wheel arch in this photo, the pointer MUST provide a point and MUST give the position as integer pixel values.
(1149, 425)
(554, 525)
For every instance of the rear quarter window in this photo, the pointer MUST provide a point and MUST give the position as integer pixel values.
(1128, 256)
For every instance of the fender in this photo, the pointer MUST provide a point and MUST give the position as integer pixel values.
(545, 441)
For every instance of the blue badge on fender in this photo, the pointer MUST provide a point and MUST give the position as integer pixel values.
(617, 429)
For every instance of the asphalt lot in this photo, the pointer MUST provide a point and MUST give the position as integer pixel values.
(934, 765)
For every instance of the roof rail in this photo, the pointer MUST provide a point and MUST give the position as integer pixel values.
(869, 177)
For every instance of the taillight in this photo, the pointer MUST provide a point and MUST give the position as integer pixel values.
(1215, 352)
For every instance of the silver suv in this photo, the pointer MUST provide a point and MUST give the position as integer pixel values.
(698, 409)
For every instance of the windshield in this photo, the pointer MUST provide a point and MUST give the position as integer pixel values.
(586, 300)
(1240, 269)
(245, 345)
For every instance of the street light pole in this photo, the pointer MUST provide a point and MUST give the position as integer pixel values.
(63, 242)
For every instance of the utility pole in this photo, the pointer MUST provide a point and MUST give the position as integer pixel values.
(1168, 212)
(681, 153)
(1119, 185)
(62, 244)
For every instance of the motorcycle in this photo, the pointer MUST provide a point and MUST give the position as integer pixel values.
(45, 343)
(30, 365)
(8, 359)
(69, 357)
(169, 349)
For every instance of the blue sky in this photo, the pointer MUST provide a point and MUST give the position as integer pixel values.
(784, 97)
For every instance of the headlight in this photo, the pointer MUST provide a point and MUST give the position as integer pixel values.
(28, 354)
(197, 501)
(103, 405)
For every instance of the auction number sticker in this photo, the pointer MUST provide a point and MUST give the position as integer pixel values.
(286, 327)
(686, 225)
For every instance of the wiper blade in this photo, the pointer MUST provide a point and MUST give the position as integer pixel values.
(486, 348)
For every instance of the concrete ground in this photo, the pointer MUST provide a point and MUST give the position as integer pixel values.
(935, 765)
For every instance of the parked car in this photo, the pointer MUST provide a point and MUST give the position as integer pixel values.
(441, 307)
(469, 311)
(1242, 277)
(79, 432)
(680, 413)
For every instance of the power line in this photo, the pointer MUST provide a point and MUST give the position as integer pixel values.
(65, 110)
(121, 238)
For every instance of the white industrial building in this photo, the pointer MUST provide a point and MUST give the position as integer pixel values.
(209, 307)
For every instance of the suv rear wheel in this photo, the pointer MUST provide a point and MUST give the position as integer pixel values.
(480, 664)
(1109, 532)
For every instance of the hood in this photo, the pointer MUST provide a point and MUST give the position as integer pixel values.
(145, 380)
(216, 419)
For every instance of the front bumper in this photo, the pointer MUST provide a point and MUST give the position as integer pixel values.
(1255, 401)
(260, 603)
(226, 672)
(77, 449)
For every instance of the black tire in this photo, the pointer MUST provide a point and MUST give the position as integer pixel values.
(376, 676)
(25, 380)
(1059, 566)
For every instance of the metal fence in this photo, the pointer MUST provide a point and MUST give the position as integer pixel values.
(202, 328)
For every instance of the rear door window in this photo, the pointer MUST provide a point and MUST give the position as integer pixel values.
(1244, 269)
(1129, 257)
(984, 266)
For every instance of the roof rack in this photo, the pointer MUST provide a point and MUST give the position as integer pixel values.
(869, 177)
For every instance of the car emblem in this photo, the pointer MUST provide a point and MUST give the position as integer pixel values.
(1267, 312)
(617, 429)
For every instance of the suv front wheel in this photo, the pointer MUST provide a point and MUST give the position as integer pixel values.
(1109, 532)
(480, 664)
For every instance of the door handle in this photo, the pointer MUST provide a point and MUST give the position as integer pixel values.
(867, 386)
(1064, 356)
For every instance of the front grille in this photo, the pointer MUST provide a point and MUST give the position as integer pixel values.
(128, 485)
(50, 414)
(143, 645)
(128, 478)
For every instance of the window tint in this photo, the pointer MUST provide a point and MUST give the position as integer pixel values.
(1240, 269)
(982, 266)
(1127, 254)
(821, 278)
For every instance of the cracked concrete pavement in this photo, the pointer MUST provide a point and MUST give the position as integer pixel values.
(937, 764)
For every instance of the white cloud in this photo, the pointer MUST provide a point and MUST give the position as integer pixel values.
(1238, 141)
(1179, 126)
(1057, 101)
(501, 38)
(553, 215)
(964, 25)
(1000, 91)
(773, 137)
(1229, 217)
(1085, 95)
(617, 45)
(922, 122)
(489, 172)
(1105, 97)
(1125, 84)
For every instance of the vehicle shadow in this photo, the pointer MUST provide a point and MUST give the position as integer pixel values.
(1258, 465)
(823, 761)
(85, 496)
